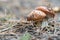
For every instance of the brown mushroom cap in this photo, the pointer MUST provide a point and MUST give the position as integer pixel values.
(40, 13)
(36, 15)
(47, 11)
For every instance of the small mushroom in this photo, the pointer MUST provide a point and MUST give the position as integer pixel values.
(56, 9)
(48, 11)
(40, 13)
(36, 15)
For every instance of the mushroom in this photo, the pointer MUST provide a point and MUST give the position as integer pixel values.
(40, 13)
(36, 15)
(48, 11)
(56, 9)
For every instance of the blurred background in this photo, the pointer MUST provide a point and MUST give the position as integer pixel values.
(22, 7)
